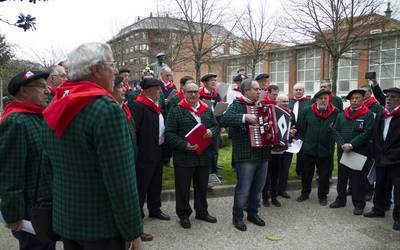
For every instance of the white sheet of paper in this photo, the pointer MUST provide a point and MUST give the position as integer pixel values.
(220, 108)
(295, 146)
(222, 89)
(353, 160)
(26, 225)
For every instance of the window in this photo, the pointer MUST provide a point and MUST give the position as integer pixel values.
(384, 59)
(144, 35)
(131, 49)
(143, 61)
(308, 69)
(279, 72)
(137, 47)
(232, 72)
(127, 38)
(126, 51)
(144, 47)
(348, 71)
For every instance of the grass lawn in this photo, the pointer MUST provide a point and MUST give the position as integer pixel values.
(228, 175)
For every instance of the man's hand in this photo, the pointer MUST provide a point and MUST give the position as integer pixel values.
(191, 147)
(293, 132)
(135, 244)
(208, 134)
(249, 118)
(347, 147)
(16, 226)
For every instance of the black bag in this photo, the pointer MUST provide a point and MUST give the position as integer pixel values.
(42, 215)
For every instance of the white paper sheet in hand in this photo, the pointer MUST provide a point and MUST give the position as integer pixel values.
(353, 160)
(294, 147)
(26, 225)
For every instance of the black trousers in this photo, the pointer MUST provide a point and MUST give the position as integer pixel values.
(149, 180)
(299, 163)
(357, 181)
(383, 174)
(284, 172)
(323, 167)
(28, 241)
(107, 244)
(183, 178)
(271, 182)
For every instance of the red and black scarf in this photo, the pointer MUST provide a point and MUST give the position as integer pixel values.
(355, 114)
(21, 107)
(126, 86)
(387, 114)
(201, 110)
(370, 101)
(269, 101)
(237, 89)
(70, 99)
(208, 96)
(330, 109)
(181, 95)
(149, 103)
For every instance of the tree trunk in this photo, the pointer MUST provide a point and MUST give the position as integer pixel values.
(334, 72)
(197, 66)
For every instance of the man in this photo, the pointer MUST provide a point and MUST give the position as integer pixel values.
(318, 145)
(386, 149)
(297, 104)
(21, 151)
(91, 152)
(271, 95)
(150, 131)
(335, 100)
(157, 66)
(235, 92)
(187, 164)
(124, 73)
(166, 78)
(262, 80)
(352, 132)
(249, 163)
(56, 77)
(173, 102)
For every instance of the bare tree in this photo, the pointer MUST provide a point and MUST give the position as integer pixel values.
(48, 57)
(257, 30)
(203, 26)
(334, 25)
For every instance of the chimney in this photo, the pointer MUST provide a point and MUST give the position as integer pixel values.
(151, 14)
(388, 11)
(138, 18)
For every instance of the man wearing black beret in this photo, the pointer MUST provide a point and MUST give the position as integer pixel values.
(352, 132)
(386, 148)
(262, 79)
(235, 92)
(20, 153)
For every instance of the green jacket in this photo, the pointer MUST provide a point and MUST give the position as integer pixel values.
(94, 180)
(317, 134)
(347, 131)
(241, 147)
(179, 122)
(21, 154)
(375, 108)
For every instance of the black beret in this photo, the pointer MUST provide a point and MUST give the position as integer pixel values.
(239, 78)
(24, 78)
(150, 82)
(396, 90)
(118, 80)
(124, 70)
(359, 91)
(207, 77)
(322, 92)
(262, 76)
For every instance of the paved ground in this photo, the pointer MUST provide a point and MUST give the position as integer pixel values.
(304, 225)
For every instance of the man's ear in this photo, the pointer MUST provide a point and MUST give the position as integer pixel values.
(95, 71)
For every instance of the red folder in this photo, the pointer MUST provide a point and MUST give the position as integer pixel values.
(195, 136)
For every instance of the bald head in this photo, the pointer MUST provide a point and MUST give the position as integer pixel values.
(282, 101)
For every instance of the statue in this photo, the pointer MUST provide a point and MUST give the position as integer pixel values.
(157, 66)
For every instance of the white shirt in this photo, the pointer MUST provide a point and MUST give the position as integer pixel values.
(296, 110)
(161, 126)
(386, 127)
(232, 95)
(198, 119)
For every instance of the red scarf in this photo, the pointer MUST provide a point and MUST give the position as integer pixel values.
(149, 103)
(243, 101)
(52, 90)
(301, 99)
(126, 86)
(168, 85)
(180, 95)
(201, 110)
(208, 96)
(387, 114)
(237, 89)
(370, 101)
(268, 101)
(21, 107)
(323, 115)
(331, 96)
(70, 99)
(357, 113)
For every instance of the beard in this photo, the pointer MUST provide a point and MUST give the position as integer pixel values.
(322, 108)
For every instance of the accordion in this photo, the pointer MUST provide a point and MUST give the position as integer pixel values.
(272, 127)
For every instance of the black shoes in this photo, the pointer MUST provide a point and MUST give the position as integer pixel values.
(284, 194)
(302, 198)
(207, 218)
(185, 223)
(160, 215)
(348, 192)
(396, 225)
(266, 203)
(358, 211)
(323, 201)
(256, 220)
(373, 214)
(239, 224)
(275, 202)
(336, 204)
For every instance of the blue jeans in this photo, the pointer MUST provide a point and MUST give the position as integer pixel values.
(250, 183)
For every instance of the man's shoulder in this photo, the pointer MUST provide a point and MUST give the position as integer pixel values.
(101, 106)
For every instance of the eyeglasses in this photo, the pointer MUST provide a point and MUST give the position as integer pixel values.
(113, 64)
(40, 86)
(196, 92)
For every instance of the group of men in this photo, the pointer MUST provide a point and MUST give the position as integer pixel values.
(96, 145)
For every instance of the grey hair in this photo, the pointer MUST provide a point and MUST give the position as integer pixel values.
(53, 70)
(282, 97)
(246, 85)
(86, 55)
(326, 81)
(165, 69)
(300, 85)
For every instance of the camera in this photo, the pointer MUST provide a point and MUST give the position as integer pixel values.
(370, 75)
